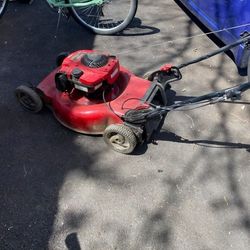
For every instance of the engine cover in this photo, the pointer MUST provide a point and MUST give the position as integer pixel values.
(87, 70)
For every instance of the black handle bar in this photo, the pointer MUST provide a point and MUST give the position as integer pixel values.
(245, 39)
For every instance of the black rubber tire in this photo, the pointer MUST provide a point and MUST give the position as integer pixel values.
(3, 7)
(29, 99)
(60, 58)
(106, 31)
(120, 138)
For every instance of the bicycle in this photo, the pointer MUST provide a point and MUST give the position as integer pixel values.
(104, 17)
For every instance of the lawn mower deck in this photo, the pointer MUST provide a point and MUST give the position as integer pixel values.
(89, 92)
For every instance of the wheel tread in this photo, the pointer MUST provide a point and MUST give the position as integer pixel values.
(124, 131)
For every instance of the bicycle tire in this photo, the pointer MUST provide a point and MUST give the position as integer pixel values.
(101, 25)
(3, 6)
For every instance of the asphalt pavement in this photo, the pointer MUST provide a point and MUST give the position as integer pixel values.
(63, 190)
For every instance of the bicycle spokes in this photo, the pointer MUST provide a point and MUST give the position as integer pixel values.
(100, 16)
(107, 15)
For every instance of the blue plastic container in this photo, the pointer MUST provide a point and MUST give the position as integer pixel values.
(223, 14)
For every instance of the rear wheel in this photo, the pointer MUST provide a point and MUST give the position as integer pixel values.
(110, 17)
(29, 99)
(60, 58)
(120, 138)
(3, 6)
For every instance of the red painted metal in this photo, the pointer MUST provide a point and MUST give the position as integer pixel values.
(166, 67)
(91, 115)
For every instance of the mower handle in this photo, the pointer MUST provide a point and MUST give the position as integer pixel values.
(159, 112)
(245, 39)
(229, 93)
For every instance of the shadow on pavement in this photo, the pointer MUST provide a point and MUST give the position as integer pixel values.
(136, 28)
(36, 152)
(169, 136)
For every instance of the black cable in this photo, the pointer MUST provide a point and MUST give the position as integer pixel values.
(197, 105)
(129, 99)
(132, 115)
(108, 104)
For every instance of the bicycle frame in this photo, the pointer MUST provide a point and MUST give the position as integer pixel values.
(97, 15)
(75, 3)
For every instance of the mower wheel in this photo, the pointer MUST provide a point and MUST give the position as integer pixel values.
(29, 99)
(60, 58)
(120, 138)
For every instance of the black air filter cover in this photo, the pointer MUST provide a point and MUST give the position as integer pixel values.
(93, 60)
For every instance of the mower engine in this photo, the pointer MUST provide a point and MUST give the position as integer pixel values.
(87, 71)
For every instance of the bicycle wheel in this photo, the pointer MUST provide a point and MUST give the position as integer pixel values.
(3, 6)
(108, 18)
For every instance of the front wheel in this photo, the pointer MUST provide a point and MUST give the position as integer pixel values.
(120, 138)
(110, 17)
(3, 6)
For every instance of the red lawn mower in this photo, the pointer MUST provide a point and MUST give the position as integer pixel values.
(89, 92)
